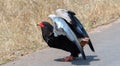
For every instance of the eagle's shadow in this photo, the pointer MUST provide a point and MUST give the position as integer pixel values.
(80, 61)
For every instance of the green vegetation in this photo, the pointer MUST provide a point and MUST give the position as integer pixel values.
(19, 34)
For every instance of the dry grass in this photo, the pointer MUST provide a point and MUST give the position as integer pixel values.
(19, 34)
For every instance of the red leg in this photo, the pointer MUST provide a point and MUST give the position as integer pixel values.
(69, 58)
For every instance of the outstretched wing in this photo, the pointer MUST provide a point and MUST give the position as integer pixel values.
(69, 16)
(67, 30)
(81, 28)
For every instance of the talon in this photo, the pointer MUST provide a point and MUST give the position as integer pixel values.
(68, 58)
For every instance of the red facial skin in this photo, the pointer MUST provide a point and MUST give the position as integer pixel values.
(41, 24)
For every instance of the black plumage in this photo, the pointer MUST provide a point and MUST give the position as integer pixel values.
(60, 42)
